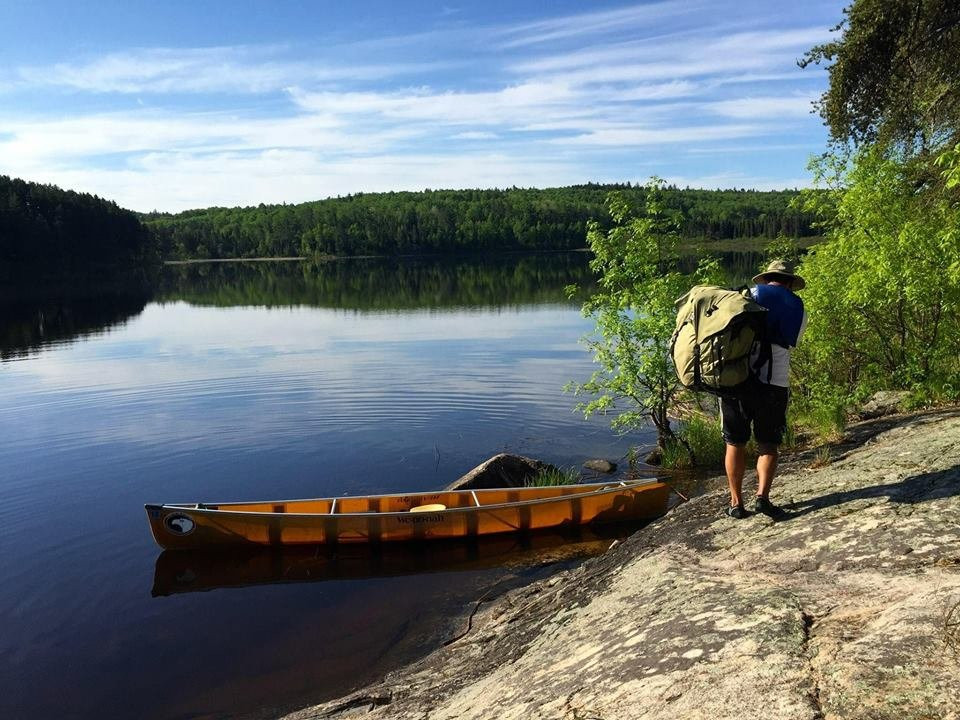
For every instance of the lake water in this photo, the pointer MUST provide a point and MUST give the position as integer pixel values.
(261, 381)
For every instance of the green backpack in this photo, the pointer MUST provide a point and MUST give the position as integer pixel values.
(716, 331)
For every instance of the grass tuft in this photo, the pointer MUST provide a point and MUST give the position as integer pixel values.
(554, 476)
(823, 457)
(951, 627)
(704, 437)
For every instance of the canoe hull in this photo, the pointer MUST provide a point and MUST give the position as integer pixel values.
(480, 513)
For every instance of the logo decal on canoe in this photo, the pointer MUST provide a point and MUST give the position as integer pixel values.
(179, 524)
(419, 518)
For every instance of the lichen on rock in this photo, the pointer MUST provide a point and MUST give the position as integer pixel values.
(838, 611)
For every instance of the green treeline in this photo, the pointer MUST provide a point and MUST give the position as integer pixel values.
(48, 231)
(410, 223)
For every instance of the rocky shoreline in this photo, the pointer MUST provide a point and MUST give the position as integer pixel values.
(845, 609)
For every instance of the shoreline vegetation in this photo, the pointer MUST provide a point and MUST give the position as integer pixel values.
(693, 246)
(454, 221)
(48, 231)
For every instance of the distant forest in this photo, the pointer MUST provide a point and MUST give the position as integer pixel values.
(48, 231)
(444, 221)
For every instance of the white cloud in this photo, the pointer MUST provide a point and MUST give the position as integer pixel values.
(640, 136)
(58, 142)
(509, 105)
(562, 28)
(727, 180)
(475, 135)
(686, 55)
(180, 181)
(560, 100)
(757, 148)
(236, 69)
(763, 107)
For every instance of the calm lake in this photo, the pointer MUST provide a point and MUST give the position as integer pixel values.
(260, 381)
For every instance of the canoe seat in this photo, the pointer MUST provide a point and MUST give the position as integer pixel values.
(433, 507)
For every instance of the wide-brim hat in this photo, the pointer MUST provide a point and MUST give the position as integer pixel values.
(780, 270)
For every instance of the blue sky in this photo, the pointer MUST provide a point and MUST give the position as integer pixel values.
(177, 105)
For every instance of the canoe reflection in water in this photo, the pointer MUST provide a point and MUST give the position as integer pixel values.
(184, 571)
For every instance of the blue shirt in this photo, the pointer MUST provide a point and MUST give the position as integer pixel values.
(785, 316)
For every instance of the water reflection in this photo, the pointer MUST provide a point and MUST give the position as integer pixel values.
(321, 394)
(375, 284)
(34, 319)
(184, 571)
(37, 317)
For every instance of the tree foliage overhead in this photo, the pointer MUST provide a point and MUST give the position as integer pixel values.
(883, 291)
(894, 73)
(411, 223)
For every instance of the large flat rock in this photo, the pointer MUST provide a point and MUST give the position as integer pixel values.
(835, 612)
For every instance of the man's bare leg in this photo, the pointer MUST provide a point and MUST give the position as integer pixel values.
(766, 469)
(735, 462)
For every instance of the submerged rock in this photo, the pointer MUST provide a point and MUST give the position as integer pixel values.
(503, 470)
(600, 466)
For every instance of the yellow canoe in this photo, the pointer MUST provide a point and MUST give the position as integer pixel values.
(396, 518)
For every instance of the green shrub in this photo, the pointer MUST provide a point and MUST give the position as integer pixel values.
(883, 291)
(703, 436)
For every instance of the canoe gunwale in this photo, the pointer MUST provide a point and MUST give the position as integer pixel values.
(597, 489)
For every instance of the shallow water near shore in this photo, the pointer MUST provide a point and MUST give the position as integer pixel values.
(259, 381)
(253, 382)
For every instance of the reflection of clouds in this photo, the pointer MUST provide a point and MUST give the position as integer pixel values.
(189, 378)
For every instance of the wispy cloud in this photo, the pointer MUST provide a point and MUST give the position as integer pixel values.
(641, 136)
(664, 86)
(725, 180)
(191, 180)
(475, 135)
(763, 107)
(590, 23)
(694, 54)
(238, 69)
(510, 105)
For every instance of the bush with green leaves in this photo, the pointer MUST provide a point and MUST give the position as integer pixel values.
(637, 261)
(702, 442)
(883, 292)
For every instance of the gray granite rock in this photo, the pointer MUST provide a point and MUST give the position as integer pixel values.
(885, 402)
(600, 466)
(503, 470)
(836, 611)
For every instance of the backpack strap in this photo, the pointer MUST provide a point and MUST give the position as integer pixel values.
(764, 356)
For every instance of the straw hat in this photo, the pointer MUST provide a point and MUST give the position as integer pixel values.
(780, 270)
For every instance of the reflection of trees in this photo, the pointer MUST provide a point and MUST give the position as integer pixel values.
(381, 283)
(65, 313)
(35, 316)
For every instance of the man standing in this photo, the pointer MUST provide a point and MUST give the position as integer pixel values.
(763, 404)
